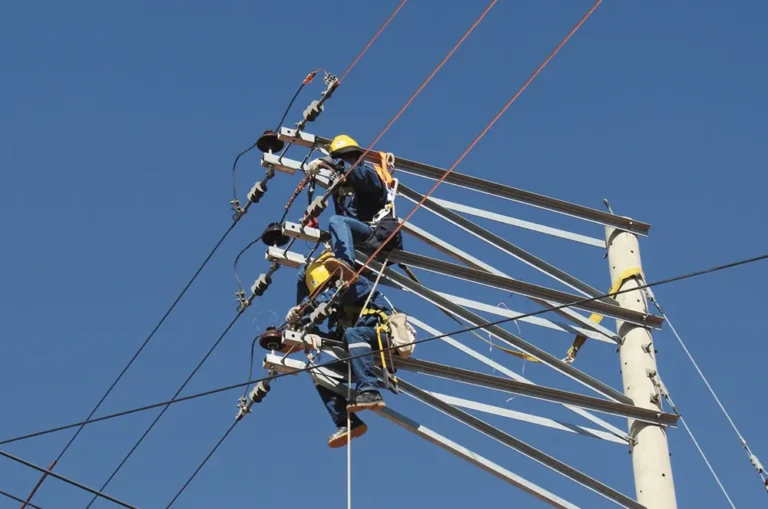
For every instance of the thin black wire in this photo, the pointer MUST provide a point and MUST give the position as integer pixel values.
(418, 341)
(200, 467)
(66, 480)
(237, 259)
(234, 169)
(148, 339)
(160, 415)
(250, 366)
(290, 104)
(17, 499)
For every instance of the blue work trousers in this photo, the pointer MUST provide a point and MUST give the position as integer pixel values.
(344, 232)
(359, 340)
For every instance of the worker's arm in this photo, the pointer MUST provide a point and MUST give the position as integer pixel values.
(364, 178)
(301, 286)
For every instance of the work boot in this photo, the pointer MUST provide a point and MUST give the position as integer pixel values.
(339, 439)
(368, 400)
(341, 269)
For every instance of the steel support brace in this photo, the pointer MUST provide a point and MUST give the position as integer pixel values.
(503, 334)
(458, 345)
(529, 418)
(449, 445)
(502, 244)
(467, 259)
(520, 446)
(522, 288)
(527, 225)
(487, 187)
(536, 391)
(533, 320)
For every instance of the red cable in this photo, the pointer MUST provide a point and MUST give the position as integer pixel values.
(376, 36)
(424, 84)
(483, 132)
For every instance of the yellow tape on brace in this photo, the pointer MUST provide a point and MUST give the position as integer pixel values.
(579, 341)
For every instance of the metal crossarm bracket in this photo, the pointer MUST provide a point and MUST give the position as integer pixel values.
(283, 257)
(530, 418)
(467, 259)
(276, 162)
(283, 364)
(513, 221)
(502, 244)
(460, 346)
(328, 380)
(522, 288)
(536, 391)
(297, 231)
(488, 187)
(520, 446)
(505, 335)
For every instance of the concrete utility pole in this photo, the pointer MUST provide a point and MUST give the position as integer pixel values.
(651, 463)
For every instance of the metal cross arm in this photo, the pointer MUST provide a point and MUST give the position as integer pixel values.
(487, 187)
(536, 391)
(520, 446)
(522, 288)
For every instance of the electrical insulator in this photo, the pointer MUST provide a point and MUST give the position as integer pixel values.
(320, 313)
(314, 209)
(313, 111)
(257, 192)
(261, 285)
(261, 390)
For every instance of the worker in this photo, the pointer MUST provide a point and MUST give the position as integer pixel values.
(357, 329)
(358, 201)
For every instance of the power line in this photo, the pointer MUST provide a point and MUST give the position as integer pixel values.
(418, 341)
(200, 467)
(17, 499)
(483, 132)
(66, 480)
(160, 415)
(148, 339)
(370, 43)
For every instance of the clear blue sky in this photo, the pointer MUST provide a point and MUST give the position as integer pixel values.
(119, 125)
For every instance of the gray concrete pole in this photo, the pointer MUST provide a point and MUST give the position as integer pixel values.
(651, 463)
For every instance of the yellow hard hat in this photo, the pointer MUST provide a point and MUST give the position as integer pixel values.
(316, 273)
(343, 144)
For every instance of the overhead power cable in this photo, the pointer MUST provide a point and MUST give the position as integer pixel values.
(200, 467)
(146, 342)
(414, 95)
(482, 133)
(66, 480)
(17, 499)
(418, 341)
(176, 395)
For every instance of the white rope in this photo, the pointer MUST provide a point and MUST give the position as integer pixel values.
(349, 437)
(701, 452)
(752, 458)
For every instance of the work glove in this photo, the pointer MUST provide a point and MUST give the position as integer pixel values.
(312, 169)
(294, 315)
(315, 341)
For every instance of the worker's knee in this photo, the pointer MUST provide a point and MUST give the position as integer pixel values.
(336, 223)
(359, 337)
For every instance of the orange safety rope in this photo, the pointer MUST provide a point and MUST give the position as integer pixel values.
(424, 84)
(375, 36)
(483, 132)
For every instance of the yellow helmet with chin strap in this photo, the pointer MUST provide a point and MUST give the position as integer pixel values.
(342, 145)
(316, 273)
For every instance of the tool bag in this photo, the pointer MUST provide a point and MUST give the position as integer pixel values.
(401, 335)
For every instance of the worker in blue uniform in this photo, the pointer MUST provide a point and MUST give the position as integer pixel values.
(360, 198)
(357, 329)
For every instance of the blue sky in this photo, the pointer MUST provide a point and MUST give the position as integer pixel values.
(120, 123)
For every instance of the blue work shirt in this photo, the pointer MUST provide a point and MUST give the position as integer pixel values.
(367, 197)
